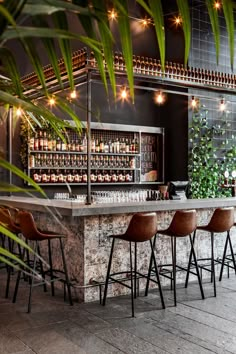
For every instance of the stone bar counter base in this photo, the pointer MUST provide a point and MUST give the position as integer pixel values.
(87, 245)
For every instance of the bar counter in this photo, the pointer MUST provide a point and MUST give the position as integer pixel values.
(87, 228)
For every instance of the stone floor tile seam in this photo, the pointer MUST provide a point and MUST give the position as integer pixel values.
(184, 335)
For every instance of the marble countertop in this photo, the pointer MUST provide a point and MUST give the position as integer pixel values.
(73, 208)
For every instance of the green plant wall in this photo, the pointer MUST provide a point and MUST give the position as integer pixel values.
(211, 153)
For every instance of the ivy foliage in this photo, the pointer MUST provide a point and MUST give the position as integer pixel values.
(211, 153)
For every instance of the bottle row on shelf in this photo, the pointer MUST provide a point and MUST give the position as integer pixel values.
(46, 141)
(150, 66)
(80, 176)
(80, 161)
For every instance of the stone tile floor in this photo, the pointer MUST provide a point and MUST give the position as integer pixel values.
(194, 326)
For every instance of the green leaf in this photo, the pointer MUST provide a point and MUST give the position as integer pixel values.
(185, 15)
(48, 7)
(214, 18)
(15, 170)
(125, 37)
(229, 19)
(158, 18)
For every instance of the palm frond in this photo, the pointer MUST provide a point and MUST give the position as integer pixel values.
(186, 21)
(228, 9)
(213, 14)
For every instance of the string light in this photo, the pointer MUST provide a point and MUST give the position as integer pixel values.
(112, 15)
(51, 101)
(123, 94)
(217, 5)
(73, 94)
(145, 22)
(222, 105)
(18, 112)
(177, 21)
(159, 98)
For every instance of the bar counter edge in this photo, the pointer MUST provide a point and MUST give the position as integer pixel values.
(73, 208)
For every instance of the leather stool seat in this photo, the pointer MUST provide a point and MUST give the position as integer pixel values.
(183, 224)
(221, 221)
(142, 227)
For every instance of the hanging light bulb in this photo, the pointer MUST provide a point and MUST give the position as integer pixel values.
(112, 15)
(123, 93)
(51, 101)
(194, 102)
(177, 21)
(222, 105)
(18, 112)
(145, 22)
(217, 5)
(73, 94)
(159, 97)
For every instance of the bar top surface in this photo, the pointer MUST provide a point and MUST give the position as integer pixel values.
(73, 208)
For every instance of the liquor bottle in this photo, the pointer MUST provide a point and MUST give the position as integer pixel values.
(138, 65)
(146, 66)
(174, 71)
(121, 62)
(166, 69)
(106, 147)
(63, 145)
(58, 144)
(178, 71)
(132, 163)
(32, 161)
(53, 177)
(170, 70)
(136, 148)
(182, 72)
(31, 143)
(49, 142)
(40, 140)
(117, 146)
(134, 64)
(142, 63)
(101, 145)
(35, 176)
(154, 68)
(72, 145)
(116, 61)
(159, 69)
(36, 142)
(77, 147)
(54, 143)
(97, 147)
(45, 141)
(150, 63)
(93, 145)
(127, 146)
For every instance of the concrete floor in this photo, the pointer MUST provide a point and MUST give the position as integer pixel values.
(194, 326)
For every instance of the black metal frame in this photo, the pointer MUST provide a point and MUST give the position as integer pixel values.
(164, 272)
(229, 258)
(212, 260)
(133, 275)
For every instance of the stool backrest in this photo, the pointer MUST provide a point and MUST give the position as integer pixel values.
(7, 221)
(142, 227)
(27, 225)
(183, 223)
(222, 220)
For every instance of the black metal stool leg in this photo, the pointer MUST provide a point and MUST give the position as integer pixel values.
(150, 268)
(190, 260)
(196, 266)
(131, 279)
(157, 275)
(51, 266)
(66, 272)
(174, 268)
(213, 262)
(232, 251)
(18, 278)
(108, 272)
(223, 258)
(41, 269)
(135, 270)
(32, 280)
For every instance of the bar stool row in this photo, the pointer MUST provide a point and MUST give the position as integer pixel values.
(143, 227)
(22, 223)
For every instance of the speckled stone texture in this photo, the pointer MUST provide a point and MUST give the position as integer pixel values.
(87, 248)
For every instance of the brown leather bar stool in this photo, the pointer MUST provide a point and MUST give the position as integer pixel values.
(221, 221)
(229, 258)
(6, 220)
(142, 227)
(33, 234)
(183, 224)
